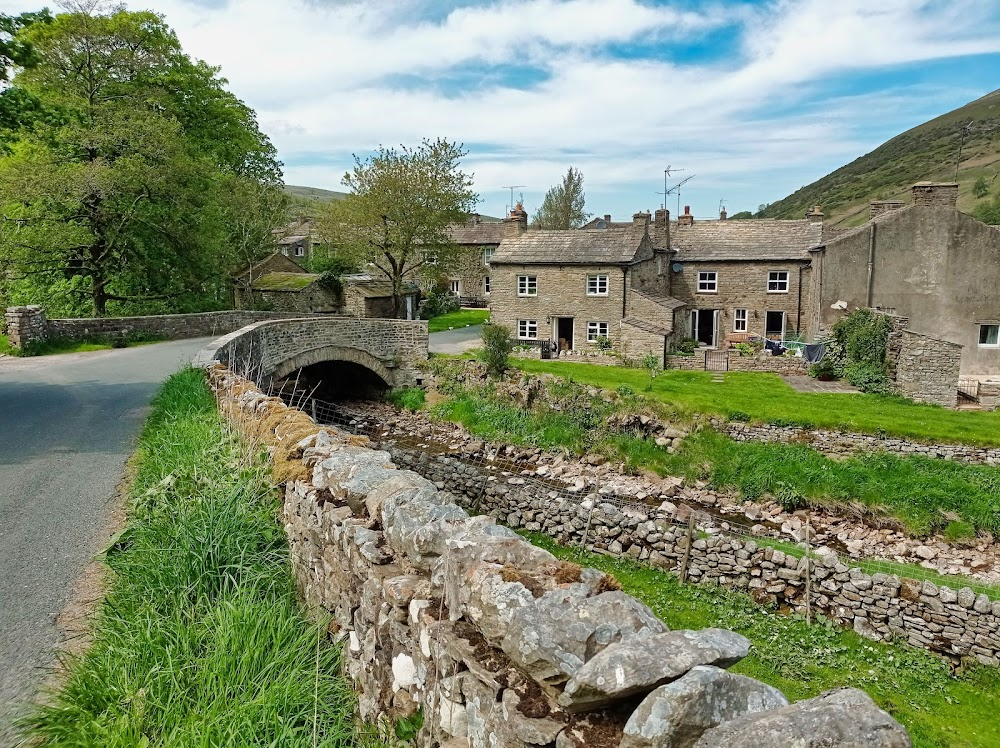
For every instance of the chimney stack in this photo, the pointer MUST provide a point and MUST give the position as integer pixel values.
(878, 207)
(815, 214)
(640, 220)
(722, 214)
(686, 219)
(936, 194)
(517, 223)
(607, 218)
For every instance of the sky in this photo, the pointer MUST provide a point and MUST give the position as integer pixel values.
(752, 100)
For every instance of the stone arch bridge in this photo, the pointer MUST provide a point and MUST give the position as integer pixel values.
(266, 351)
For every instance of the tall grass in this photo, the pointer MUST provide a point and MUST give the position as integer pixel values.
(200, 640)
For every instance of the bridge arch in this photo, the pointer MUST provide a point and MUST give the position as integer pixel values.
(335, 353)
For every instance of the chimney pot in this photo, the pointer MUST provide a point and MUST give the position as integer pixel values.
(687, 210)
(815, 214)
(517, 222)
(686, 219)
(607, 217)
(722, 214)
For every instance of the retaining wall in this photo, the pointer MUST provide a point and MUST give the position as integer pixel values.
(764, 363)
(494, 640)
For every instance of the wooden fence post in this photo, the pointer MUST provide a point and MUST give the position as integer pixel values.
(687, 548)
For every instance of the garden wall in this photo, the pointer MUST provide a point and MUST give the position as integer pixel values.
(878, 606)
(494, 641)
(765, 363)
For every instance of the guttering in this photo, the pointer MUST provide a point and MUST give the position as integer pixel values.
(871, 265)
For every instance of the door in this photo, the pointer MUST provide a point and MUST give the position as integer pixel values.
(409, 307)
(703, 324)
(564, 333)
(774, 326)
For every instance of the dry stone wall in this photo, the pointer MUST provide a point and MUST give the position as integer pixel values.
(762, 363)
(496, 641)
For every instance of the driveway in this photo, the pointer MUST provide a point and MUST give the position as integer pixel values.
(455, 341)
(67, 425)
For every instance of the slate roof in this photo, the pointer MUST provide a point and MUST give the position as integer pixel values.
(291, 282)
(750, 239)
(370, 287)
(667, 302)
(643, 324)
(615, 246)
(488, 232)
(833, 236)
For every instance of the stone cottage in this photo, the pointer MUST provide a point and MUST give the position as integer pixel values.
(477, 240)
(297, 239)
(580, 286)
(927, 262)
(289, 292)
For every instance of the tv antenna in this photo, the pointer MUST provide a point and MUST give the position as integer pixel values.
(666, 173)
(722, 205)
(512, 187)
(676, 189)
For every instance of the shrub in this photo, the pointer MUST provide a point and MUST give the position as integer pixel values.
(408, 398)
(825, 369)
(981, 188)
(497, 345)
(859, 350)
(603, 343)
(437, 303)
(684, 346)
(738, 415)
(624, 390)
(959, 530)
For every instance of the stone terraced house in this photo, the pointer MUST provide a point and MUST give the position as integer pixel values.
(477, 240)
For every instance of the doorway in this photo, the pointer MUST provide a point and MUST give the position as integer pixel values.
(703, 324)
(774, 326)
(564, 333)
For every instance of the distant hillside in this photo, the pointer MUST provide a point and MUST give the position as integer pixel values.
(313, 193)
(927, 152)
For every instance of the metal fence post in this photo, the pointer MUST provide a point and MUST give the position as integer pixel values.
(687, 548)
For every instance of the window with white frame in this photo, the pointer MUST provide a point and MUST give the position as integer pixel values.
(455, 286)
(299, 250)
(597, 285)
(486, 285)
(989, 336)
(596, 330)
(488, 255)
(708, 281)
(777, 281)
(527, 329)
(739, 320)
(527, 285)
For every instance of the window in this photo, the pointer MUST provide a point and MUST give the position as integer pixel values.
(739, 320)
(455, 286)
(777, 281)
(486, 285)
(989, 335)
(527, 329)
(299, 250)
(708, 282)
(597, 285)
(527, 285)
(488, 255)
(596, 330)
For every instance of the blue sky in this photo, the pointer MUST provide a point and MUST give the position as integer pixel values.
(753, 98)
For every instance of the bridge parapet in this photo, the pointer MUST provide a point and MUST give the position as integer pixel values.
(391, 348)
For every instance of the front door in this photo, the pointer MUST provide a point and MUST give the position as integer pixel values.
(703, 323)
(774, 326)
(564, 333)
(409, 307)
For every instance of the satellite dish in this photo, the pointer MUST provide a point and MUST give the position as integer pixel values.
(601, 224)
(676, 267)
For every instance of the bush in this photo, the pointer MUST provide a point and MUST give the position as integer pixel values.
(858, 350)
(603, 343)
(824, 370)
(624, 390)
(981, 188)
(959, 530)
(408, 398)
(684, 346)
(438, 303)
(497, 345)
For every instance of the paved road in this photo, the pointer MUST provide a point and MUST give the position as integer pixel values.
(455, 341)
(67, 425)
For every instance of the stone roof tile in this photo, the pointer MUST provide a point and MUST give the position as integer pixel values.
(750, 239)
(613, 246)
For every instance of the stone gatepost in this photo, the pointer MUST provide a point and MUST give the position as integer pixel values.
(25, 325)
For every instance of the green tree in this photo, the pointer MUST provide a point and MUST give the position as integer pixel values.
(397, 214)
(129, 193)
(17, 108)
(988, 212)
(980, 188)
(742, 215)
(563, 205)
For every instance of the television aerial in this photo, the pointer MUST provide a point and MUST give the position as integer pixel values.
(675, 190)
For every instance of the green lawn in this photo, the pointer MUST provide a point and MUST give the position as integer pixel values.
(461, 318)
(766, 398)
(916, 687)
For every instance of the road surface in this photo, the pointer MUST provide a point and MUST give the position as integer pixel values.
(67, 425)
(455, 341)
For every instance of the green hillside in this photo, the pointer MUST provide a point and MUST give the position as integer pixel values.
(927, 152)
(313, 193)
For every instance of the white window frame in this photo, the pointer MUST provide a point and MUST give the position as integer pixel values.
(595, 282)
(486, 285)
(595, 331)
(455, 286)
(527, 329)
(300, 251)
(774, 278)
(996, 337)
(741, 320)
(708, 284)
(527, 285)
(488, 255)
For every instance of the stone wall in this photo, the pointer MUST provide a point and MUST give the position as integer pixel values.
(25, 325)
(989, 394)
(762, 363)
(495, 641)
(878, 606)
(926, 369)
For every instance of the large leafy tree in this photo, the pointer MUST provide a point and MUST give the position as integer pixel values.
(127, 195)
(563, 206)
(396, 216)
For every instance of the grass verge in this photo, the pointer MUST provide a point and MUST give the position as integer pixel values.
(200, 640)
(766, 398)
(461, 318)
(54, 346)
(916, 687)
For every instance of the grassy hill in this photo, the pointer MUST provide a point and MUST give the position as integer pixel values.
(927, 152)
(313, 193)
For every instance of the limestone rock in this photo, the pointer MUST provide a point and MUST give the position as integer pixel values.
(540, 730)
(846, 718)
(639, 665)
(677, 714)
(552, 638)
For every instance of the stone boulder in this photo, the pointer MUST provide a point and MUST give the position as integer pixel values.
(639, 665)
(676, 715)
(555, 636)
(846, 718)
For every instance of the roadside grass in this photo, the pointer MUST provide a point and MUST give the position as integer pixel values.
(5, 347)
(56, 346)
(922, 493)
(200, 639)
(916, 687)
(461, 318)
(766, 398)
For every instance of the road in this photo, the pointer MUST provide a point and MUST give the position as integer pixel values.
(455, 341)
(67, 425)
